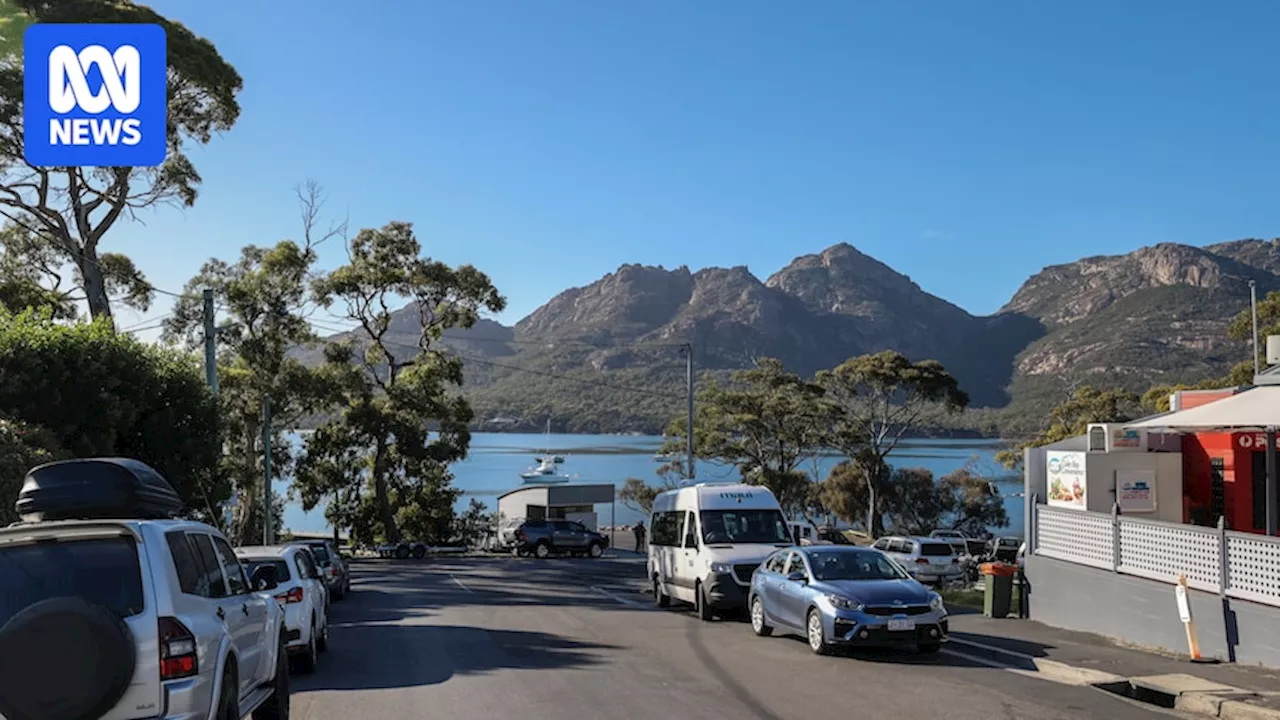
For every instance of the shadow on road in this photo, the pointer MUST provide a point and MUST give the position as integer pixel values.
(372, 657)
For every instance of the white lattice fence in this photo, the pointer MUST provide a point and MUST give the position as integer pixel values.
(1075, 536)
(1253, 568)
(1163, 551)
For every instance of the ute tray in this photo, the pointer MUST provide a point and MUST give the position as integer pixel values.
(96, 489)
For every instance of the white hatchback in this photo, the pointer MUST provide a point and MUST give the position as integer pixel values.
(302, 594)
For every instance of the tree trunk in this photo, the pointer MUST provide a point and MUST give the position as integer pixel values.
(248, 489)
(380, 494)
(95, 286)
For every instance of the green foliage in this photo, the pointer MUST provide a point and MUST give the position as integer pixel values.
(1071, 418)
(262, 297)
(72, 208)
(22, 447)
(474, 524)
(376, 456)
(873, 402)
(764, 421)
(97, 393)
(30, 275)
(638, 496)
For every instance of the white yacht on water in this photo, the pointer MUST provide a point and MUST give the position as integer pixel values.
(546, 472)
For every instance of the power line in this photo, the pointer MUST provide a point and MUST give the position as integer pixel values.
(541, 373)
(144, 328)
(135, 326)
(513, 341)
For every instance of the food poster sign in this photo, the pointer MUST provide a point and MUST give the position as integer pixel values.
(1066, 479)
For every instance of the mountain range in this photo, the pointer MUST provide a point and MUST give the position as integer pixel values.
(605, 357)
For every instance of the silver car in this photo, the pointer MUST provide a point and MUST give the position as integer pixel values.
(931, 560)
(845, 596)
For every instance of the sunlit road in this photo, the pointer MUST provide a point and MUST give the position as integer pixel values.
(528, 639)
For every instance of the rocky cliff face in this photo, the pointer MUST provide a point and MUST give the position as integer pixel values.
(1157, 314)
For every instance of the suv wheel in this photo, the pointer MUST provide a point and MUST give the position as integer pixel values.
(542, 549)
(310, 656)
(596, 550)
(228, 706)
(277, 706)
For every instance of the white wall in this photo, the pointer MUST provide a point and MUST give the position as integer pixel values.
(1100, 478)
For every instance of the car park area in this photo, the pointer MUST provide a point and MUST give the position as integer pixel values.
(505, 636)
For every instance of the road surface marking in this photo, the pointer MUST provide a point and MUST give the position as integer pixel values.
(619, 599)
(459, 582)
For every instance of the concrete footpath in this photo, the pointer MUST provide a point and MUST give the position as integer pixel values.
(1235, 692)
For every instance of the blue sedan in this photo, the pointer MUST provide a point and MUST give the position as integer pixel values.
(850, 596)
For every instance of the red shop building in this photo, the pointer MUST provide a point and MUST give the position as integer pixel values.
(1224, 459)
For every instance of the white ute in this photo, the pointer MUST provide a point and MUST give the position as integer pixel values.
(706, 540)
(111, 609)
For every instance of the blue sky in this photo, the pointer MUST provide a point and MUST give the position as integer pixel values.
(966, 144)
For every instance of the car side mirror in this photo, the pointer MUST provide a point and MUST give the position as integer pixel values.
(797, 577)
(264, 578)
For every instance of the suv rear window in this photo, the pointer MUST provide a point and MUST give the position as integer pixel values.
(935, 549)
(251, 566)
(103, 571)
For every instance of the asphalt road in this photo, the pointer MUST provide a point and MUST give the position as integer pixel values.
(574, 638)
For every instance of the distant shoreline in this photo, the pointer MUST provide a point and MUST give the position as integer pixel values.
(533, 430)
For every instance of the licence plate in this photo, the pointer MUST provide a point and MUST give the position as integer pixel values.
(900, 625)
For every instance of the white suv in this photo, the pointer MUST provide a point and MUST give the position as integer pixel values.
(111, 611)
(303, 595)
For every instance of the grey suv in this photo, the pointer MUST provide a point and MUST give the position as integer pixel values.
(541, 538)
(334, 568)
(110, 610)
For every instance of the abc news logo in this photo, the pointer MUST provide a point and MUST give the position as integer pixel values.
(69, 89)
(95, 95)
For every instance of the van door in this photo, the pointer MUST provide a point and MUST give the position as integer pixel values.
(686, 575)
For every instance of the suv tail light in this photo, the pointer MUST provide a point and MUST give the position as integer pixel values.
(293, 596)
(955, 561)
(177, 650)
(333, 570)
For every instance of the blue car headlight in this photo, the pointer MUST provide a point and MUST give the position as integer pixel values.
(844, 603)
(718, 567)
(935, 602)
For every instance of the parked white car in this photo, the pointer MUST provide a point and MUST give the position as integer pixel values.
(302, 593)
(135, 613)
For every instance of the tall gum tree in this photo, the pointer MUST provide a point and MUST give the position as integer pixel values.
(73, 208)
(875, 401)
(401, 421)
(263, 302)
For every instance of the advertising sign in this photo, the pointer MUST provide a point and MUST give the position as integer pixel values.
(1066, 479)
(1125, 439)
(1136, 490)
(1254, 441)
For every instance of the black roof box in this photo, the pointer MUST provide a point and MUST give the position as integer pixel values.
(96, 489)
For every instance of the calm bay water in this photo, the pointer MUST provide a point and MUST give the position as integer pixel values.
(496, 460)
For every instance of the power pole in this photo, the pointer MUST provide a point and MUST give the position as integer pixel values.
(688, 351)
(266, 470)
(210, 343)
(1253, 306)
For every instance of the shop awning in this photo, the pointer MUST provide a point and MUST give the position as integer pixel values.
(1257, 408)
